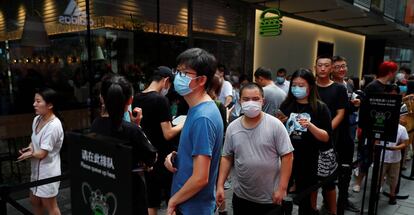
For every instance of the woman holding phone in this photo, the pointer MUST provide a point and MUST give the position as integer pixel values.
(309, 124)
(43, 151)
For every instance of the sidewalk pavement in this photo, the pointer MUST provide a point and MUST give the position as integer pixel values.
(403, 207)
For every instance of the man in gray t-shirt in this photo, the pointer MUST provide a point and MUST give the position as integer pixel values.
(259, 148)
(273, 95)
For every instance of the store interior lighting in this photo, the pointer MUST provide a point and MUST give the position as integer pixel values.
(98, 54)
(34, 32)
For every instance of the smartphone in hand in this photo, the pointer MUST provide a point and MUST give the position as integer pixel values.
(174, 160)
(281, 116)
(230, 105)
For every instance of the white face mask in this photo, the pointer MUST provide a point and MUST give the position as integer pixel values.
(164, 91)
(251, 109)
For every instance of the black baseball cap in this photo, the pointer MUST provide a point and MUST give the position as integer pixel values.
(164, 72)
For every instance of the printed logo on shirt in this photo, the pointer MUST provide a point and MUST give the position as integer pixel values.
(294, 129)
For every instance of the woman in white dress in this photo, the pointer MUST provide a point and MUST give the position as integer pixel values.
(43, 151)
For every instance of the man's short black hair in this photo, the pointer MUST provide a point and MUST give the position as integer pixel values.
(392, 87)
(251, 85)
(323, 57)
(222, 68)
(281, 70)
(200, 61)
(264, 73)
(338, 58)
(406, 70)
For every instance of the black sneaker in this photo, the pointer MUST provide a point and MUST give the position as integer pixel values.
(392, 201)
(349, 206)
(314, 212)
(222, 212)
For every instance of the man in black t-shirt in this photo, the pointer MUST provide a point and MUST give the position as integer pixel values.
(156, 123)
(334, 95)
(345, 143)
(384, 76)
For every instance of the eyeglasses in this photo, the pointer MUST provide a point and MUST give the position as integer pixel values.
(183, 73)
(343, 66)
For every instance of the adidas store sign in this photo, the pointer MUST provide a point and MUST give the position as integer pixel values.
(73, 15)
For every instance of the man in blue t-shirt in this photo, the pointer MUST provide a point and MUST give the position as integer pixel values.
(197, 159)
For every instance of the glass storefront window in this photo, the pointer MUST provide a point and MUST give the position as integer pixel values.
(127, 37)
(403, 57)
(45, 43)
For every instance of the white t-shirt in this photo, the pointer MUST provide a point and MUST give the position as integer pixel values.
(392, 156)
(226, 90)
(49, 138)
(284, 86)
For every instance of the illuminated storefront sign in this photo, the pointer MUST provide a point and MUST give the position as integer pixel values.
(73, 15)
(106, 22)
(270, 25)
(73, 19)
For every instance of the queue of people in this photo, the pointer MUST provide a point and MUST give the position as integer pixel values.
(275, 136)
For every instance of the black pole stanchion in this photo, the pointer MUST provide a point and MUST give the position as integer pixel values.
(89, 60)
(380, 178)
(397, 188)
(364, 193)
(344, 178)
(373, 196)
(3, 206)
(3, 200)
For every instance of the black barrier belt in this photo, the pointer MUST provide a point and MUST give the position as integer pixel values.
(5, 190)
(27, 185)
(18, 206)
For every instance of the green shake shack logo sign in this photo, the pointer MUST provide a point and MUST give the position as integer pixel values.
(101, 204)
(270, 23)
(379, 116)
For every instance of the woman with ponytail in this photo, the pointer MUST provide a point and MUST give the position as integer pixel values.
(116, 93)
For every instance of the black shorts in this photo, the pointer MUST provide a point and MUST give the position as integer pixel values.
(158, 183)
(243, 206)
(329, 185)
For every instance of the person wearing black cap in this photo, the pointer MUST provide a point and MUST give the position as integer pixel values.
(156, 123)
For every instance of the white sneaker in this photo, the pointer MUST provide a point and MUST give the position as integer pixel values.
(356, 172)
(356, 188)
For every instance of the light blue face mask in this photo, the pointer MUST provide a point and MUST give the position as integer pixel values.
(182, 84)
(403, 89)
(280, 80)
(299, 92)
